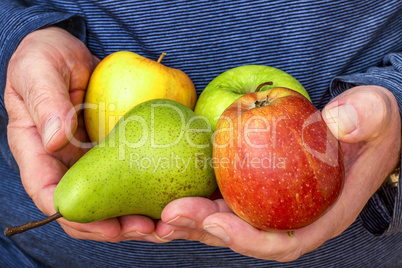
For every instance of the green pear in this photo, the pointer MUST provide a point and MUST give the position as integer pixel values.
(158, 152)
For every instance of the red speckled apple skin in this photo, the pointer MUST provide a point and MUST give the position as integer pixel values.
(277, 166)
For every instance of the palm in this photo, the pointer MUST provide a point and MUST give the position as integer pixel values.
(369, 154)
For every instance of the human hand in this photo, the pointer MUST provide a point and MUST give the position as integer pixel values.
(367, 123)
(46, 78)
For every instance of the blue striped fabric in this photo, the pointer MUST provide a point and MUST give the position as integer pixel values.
(328, 46)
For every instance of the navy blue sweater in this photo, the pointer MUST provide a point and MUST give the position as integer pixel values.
(329, 46)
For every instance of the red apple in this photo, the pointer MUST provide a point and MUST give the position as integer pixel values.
(277, 164)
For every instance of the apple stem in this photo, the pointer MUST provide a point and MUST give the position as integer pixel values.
(290, 233)
(10, 231)
(161, 57)
(262, 85)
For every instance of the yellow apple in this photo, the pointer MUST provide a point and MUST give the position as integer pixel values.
(124, 79)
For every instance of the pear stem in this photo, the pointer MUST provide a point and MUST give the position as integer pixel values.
(262, 85)
(10, 231)
(161, 57)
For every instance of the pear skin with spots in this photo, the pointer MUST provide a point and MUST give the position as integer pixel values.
(158, 152)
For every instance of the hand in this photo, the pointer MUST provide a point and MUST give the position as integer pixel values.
(367, 123)
(46, 77)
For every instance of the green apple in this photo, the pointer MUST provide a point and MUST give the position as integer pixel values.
(234, 83)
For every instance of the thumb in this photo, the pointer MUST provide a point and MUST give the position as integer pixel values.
(45, 92)
(359, 114)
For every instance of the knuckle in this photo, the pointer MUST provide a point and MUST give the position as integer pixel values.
(382, 110)
(374, 107)
(378, 99)
(36, 98)
(19, 63)
(207, 238)
(14, 60)
(10, 97)
(40, 99)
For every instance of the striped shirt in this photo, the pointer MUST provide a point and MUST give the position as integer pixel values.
(329, 46)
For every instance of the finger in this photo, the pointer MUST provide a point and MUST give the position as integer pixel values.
(134, 227)
(242, 238)
(105, 230)
(223, 228)
(190, 212)
(40, 172)
(26, 146)
(165, 232)
(51, 82)
(45, 94)
(79, 78)
(182, 219)
(359, 114)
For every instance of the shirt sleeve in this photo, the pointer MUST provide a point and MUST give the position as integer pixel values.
(18, 20)
(382, 215)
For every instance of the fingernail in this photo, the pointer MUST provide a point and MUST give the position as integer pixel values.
(182, 222)
(135, 234)
(217, 231)
(342, 119)
(51, 127)
(162, 239)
